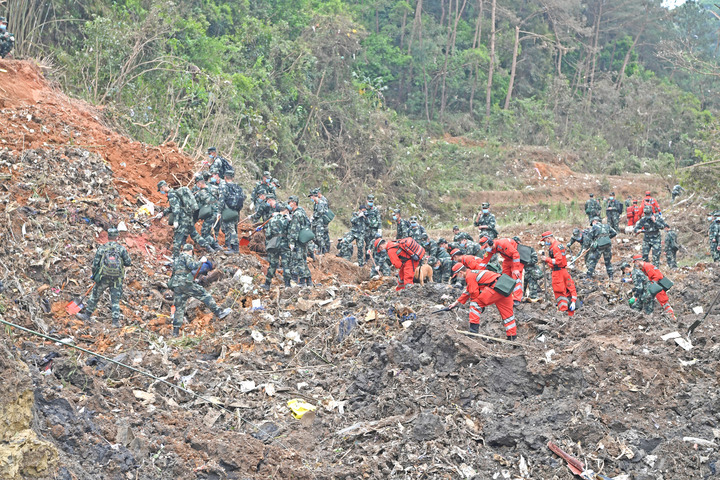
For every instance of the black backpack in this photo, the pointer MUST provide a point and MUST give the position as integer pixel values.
(226, 167)
(111, 264)
(235, 197)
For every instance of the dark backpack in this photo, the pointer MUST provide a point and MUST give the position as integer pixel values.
(187, 199)
(225, 167)
(235, 198)
(111, 264)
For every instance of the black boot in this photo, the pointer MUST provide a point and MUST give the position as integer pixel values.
(474, 328)
(267, 283)
(235, 248)
(308, 282)
(287, 281)
(511, 338)
(176, 331)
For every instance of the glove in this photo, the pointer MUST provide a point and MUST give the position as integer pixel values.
(176, 225)
(625, 280)
(572, 306)
(258, 228)
(414, 258)
(203, 260)
(292, 247)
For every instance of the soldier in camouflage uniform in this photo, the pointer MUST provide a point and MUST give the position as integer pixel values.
(458, 235)
(278, 249)
(184, 219)
(357, 232)
(381, 260)
(402, 226)
(676, 192)
(598, 242)
(651, 226)
(442, 269)
(229, 227)
(533, 274)
(592, 207)
(345, 246)
(7, 39)
(184, 287)
(264, 208)
(416, 230)
(468, 247)
(262, 186)
(641, 293)
(218, 164)
(485, 221)
(108, 272)
(671, 248)
(613, 210)
(714, 236)
(319, 224)
(373, 222)
(210, 229)
(205, 198)
(298, 250)
(441, 251)
(578, 236)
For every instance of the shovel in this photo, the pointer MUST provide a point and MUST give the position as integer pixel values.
(76, 305)
(697, 322)
(245, 241)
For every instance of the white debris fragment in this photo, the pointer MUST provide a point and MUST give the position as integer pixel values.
(257, 336)
(247, 386)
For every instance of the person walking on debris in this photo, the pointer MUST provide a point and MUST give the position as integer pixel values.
(405, 255)
(562, 283)
(7, 39)
(533, 273)
(652, 227)
(485, 221)
(181, 215)
(277, 246)
(382, 265)
(633, 213)
(206, 207)
(458, 235)
(232, 199)
(297, 230)
(655, 277)
(402, 226)
(219, 164)
(676, 192)
(714, 236)
(599, 244)
(358, 228)
(613, 210)
(320, 221)
(108, 272)
(416, 230)
(592, 207)
(511, 265)
(480, 290)
(184, 287)
(671, 248)
(262, 186)
(372, 214)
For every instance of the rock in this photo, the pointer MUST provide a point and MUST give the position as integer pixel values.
(427, 427)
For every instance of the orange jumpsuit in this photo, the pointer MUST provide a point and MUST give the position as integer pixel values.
(400, 253)
(654, 274)
(471, 262)
(653, 203)
(483, 295)
(562, 284)
(632, 214)
(511, 262)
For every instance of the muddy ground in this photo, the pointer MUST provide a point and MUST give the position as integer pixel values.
(393, 400)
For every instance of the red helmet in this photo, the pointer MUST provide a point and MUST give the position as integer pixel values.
(547, 234)
(647, 194)
(637, 257)
(377, 243)
(457, 268)
(454, 252)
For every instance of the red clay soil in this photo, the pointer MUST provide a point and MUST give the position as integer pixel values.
(57, 120)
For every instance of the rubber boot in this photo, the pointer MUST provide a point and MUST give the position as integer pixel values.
(116, 323)
(235, 248)
(474, 328)
(512, 338)
(176, 332)
(287, 281)
(266, 285)
(85, 317)
(308, 281)
(224, 313)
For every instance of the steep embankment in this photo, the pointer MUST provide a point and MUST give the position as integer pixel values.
(411, 400)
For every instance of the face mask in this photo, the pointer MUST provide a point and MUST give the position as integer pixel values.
(394, 217)
(612, 198)
(488, 249)
(485, 210)
(370, 204)
(3, 27)
(548, 242)
(267, 181)
(710, 219)
(163, 192)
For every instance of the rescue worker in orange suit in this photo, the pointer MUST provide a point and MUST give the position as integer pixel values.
(654, 274)
(507, 248)
(649, 200)
(479, 290)
(562, 284)
(469, 261)
(405, 255)
(633, 213)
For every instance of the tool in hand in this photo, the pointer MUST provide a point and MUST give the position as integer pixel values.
(77, 304)
(245, 241)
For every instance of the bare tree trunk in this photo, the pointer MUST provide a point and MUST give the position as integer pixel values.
(512, 69)
(627, 55)
(594, 54)
(450, 47)
(402, 29)
(476, 42)
(488, 96)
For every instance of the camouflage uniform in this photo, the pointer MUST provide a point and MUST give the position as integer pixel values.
(416, 231)
(357, 233)
(597, 232)
(185, 219)
(652, 226)
(592, 208)
(533, 274)
(184, 287)
(207, 231)
(278, 227)
(382, 262)
(443, 273)
(345, 246)
(643, 298)
(115, 285)
(228, 228)
(460, 235)
(7, 42)
(298, 255)
(714, 235)
(203, 197)
(613, 210)
(263, 210)
(402, 227)
(260, 187)
(472, 248)
(578, 236)
(218, 166)
(319, 226)
(488, 220)
(373, 225)
(676, 192)
(671, 248)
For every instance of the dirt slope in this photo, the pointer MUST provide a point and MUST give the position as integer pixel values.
(413, 400)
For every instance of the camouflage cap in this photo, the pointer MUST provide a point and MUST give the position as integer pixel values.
(3, 19)
(716, 213)
(576, 232)
(362, 206)
(431, 260)
(413, 218)
(270, 195)
(266, 174)
(424, 236)
(485, 205)
(212, 149)
(455, 227)
(275, 181)
(595, 218)
(624, 265)
(293, 198)
(280, 206)
(592, 195)
(199, 178)
(612, 194)
(371, 197)
(396, 210)
(113, 232)
(161, 184)
(206, 174)
(187, 247)
(230, 174)
(647, 209)
(441, 240)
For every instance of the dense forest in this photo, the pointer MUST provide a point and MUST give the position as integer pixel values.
(362, 89)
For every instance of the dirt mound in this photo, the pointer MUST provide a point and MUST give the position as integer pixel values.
(37, 116)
